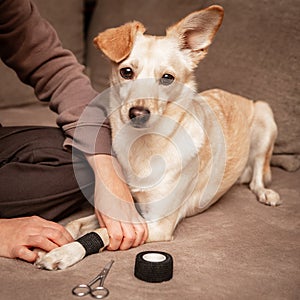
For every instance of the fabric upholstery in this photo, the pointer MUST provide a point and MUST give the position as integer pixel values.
(237, 249)
(256, 55)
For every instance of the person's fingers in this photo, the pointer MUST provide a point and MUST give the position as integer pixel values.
(115, 241)
(66, 234)
(146, 233)
(24, 253)
(114, 230)
(115, 234)
(57, 232)
(58, 235)
(42, 242)
(123, 235)
(129, 236)
(20, 235)
(141, 235)
(100, 219)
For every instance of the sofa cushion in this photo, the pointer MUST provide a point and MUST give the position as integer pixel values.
(237, 249)
(255, 55)
(67, 18)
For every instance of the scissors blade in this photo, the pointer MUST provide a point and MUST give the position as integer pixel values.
(102, 275)
(108, 266)
(106, 269)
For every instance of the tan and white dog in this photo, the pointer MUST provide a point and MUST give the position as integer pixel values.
(180, 150)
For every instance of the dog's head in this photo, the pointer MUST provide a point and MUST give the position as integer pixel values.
(147, 68)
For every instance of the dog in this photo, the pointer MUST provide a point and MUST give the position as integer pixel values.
(180, 150)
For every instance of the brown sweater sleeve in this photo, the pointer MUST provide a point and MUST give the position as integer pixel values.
(30, 46)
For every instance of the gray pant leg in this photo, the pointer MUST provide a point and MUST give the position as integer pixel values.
(36, 174)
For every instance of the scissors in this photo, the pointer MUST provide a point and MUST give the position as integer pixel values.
(98, 292)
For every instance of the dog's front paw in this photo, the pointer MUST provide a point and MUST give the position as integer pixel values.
(269, 197)
(62, 257)
(40, 254)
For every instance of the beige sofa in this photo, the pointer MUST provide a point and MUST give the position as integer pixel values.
(238, 249)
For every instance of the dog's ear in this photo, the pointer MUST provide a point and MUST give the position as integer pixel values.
(196, 31)
(116, 43)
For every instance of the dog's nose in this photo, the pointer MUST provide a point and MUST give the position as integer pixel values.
(139, 115)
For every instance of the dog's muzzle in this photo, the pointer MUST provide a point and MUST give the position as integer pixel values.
(139, 116)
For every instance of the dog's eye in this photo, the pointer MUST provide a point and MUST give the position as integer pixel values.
(166, 79)
(126, 73)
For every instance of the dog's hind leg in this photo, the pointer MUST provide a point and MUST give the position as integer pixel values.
(258, 171)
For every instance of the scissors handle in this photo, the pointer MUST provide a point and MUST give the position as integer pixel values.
(81, 290)
(99, 292)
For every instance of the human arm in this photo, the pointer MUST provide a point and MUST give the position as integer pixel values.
(20, 235)
(114, 205)
(31, 47)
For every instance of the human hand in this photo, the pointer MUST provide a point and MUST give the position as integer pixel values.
(114, 206)
(20, 235)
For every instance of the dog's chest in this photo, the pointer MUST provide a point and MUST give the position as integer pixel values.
(152, 162)
(154, 159)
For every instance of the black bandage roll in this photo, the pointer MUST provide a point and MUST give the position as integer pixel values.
(91, 242)
(153, 266)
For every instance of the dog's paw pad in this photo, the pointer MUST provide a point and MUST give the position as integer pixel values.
(269, 197)
(61, 258)
(54, 260)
